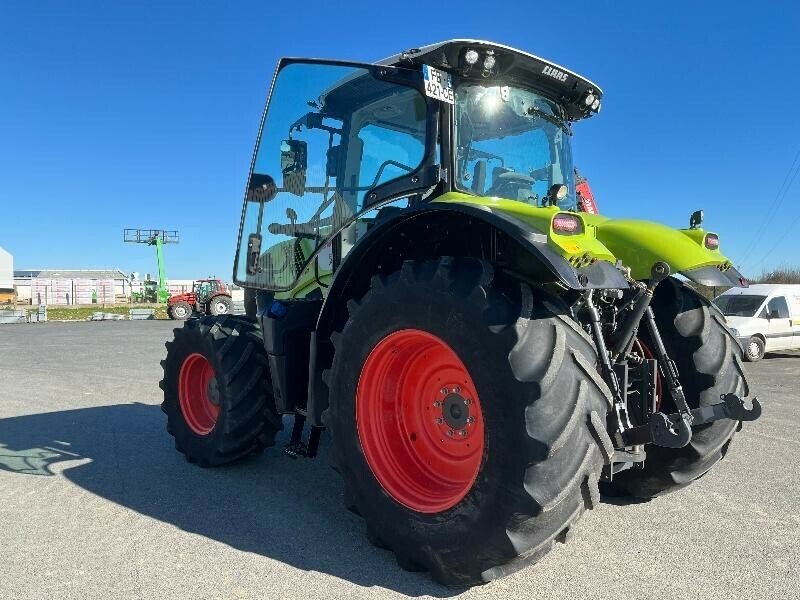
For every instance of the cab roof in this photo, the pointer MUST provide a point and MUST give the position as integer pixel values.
(512, 65)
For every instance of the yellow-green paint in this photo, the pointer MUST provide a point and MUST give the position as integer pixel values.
(306, 284)
(309, 280)
(574, 248)
(638, 244)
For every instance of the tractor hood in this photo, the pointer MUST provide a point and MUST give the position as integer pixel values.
(694, 253)
(185, 297)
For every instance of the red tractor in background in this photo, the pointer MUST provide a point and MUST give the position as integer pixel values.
(208, 297)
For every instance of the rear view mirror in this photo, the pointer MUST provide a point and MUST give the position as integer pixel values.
(294, 162)
(262, 188)
(332, 163)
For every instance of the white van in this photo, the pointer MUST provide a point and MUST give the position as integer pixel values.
(765, 317)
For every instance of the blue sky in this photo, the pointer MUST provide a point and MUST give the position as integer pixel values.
(144, 114)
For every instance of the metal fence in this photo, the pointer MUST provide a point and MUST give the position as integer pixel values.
(13, 316)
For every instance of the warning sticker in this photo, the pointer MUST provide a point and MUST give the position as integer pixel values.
(438, 84)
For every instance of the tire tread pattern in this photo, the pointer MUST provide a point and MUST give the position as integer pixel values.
(248, 419)
(709, 360)
(564, 440)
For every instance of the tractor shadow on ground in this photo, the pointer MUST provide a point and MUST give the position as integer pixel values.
(284, 509)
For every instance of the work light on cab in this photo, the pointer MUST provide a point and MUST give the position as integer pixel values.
(471, 57)
(490, 61)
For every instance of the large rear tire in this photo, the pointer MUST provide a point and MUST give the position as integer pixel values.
(709, 361)
(424, 351)
(217, 396)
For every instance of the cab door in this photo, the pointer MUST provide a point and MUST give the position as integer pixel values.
(780, 329)
(334, 144)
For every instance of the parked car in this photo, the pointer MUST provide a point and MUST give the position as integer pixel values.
(764, 317)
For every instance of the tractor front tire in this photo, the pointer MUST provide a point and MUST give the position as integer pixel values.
(180, 311)
(217, 395)
(709, 361)
(220, 305)
(468, 419)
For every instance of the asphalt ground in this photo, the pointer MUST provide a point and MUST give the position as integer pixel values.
(96, 503)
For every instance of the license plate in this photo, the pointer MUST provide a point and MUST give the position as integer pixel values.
(438, 84)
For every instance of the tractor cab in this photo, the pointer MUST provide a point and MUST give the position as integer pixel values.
(204, 289)
(344, 144)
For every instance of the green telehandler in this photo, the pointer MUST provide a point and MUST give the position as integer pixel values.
(421, 284)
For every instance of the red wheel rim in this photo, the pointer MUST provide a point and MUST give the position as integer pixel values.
(419, 421)
(198, 394)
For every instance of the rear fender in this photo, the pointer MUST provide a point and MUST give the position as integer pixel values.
(433, 230)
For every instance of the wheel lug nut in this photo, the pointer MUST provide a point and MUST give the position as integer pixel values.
(444, 391)
(437, 404)
(456, 390)
(440, 420)
(467, 401)
(470, 419)
(450, 432)
(463, 433)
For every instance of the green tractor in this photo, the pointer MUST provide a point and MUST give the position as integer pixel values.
(421, 284)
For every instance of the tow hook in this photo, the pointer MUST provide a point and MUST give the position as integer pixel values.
(674, 430)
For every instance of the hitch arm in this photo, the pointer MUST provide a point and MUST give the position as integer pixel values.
(666, 430)
(731, 407)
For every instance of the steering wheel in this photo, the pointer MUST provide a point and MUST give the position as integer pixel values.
(510, 184)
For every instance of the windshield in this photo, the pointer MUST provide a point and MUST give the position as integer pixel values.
(739, 306)
(511, 143)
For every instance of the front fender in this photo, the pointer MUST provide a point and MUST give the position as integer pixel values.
(640, 244)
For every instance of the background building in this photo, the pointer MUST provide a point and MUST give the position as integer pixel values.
(79, 286)
(72, 286)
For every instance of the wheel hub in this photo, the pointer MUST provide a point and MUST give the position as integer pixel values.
(419, 421)
(455, 410)
(213, 391)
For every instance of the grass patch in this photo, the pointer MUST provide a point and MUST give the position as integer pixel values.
(80, 313)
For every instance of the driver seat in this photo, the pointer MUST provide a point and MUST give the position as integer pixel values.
(479, 177)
